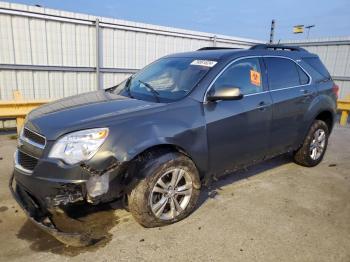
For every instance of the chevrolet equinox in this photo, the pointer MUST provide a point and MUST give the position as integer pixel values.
(154, 138)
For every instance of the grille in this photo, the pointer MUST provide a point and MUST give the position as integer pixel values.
(34, 137)
(26, 161)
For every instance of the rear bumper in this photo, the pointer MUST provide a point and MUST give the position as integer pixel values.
(42, 218)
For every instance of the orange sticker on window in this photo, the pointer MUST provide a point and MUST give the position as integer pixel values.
(255, 78)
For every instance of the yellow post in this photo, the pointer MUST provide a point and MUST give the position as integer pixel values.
(344, 118)
(20, 123)
(18, 108)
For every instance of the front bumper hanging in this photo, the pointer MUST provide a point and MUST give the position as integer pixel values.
(45, 222)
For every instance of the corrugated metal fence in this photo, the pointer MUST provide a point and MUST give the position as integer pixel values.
(335, 54)
(49, 54)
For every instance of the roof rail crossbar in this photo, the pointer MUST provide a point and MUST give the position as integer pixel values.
(277, 47)
(215, 48)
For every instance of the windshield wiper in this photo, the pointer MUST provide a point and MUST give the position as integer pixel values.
(150, 87)
(127, 86)
(112, 88)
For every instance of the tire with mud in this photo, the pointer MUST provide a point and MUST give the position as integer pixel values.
(314, 146)
(167, 191)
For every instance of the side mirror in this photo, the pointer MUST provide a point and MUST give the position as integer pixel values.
(224, 93)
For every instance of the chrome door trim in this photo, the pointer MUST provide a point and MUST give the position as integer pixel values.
(267, 91)
(283, 88)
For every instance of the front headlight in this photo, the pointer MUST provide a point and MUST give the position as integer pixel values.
(79, 146)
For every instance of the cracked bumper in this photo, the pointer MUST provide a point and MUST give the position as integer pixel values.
(41, 218)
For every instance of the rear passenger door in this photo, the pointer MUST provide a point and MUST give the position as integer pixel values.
(291, 94)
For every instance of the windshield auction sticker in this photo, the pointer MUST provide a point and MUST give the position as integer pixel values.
(255, 78)
(207, 63)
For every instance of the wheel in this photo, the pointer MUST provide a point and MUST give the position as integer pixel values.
(168, 192)
(314, 147)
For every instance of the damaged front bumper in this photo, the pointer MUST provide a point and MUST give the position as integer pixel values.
(41, 195)
(43, 220)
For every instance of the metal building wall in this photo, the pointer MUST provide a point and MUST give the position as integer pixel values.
(49, 54)
(335, 54)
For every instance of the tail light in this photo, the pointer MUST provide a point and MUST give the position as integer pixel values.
(335, 90)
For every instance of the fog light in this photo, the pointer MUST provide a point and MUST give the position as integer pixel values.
(97, 185)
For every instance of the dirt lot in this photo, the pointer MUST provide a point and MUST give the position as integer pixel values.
(276, 211)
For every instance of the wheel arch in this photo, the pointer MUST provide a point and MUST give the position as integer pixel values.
(157, 150)
(163, 148)
(323, 108)
(160, 151)
(327, 117)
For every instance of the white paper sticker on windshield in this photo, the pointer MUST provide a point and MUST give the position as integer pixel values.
(207, 63)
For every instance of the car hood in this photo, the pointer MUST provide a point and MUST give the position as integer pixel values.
(82, 111)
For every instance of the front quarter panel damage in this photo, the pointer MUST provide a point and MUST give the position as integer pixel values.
(179, 124)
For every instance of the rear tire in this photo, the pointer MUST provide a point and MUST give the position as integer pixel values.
(168, 191)
(314, 147)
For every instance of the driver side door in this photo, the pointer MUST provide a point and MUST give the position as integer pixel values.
(238, 130)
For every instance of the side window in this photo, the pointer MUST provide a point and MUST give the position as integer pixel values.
(304, 79)
(316, 68)
(244, 74)
(317, 65)
(281, 73)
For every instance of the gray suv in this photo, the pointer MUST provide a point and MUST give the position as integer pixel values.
(153, 139)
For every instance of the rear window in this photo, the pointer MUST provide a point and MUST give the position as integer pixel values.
(320, 72)
(281, 73)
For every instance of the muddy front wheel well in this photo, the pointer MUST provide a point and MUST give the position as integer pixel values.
(158, 150)
(140, 161)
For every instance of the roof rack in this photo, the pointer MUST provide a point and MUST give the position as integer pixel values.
(215, 48)
(277, 47)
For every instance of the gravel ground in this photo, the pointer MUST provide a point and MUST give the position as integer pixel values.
(274, 211)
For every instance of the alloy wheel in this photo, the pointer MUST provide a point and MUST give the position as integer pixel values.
(171, 194)
(317, 144)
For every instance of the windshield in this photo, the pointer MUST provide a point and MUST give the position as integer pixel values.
(165, 80)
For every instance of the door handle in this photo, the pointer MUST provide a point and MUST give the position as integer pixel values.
(262, 105)
(305, 92)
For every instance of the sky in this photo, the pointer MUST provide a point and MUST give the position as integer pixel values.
(240, 18)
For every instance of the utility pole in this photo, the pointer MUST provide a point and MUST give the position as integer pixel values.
(272, 32)
(98, 54)
(308, 30)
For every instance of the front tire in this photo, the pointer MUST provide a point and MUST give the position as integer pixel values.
(314, 147)
(168, 191)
